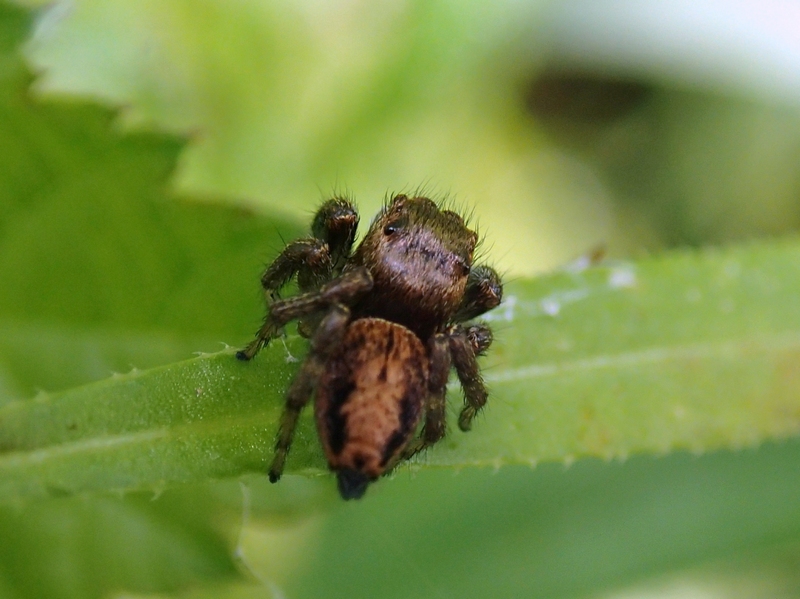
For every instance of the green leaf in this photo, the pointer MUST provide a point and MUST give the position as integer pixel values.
(87, 546)
(102, 267)
(557, 533)
(694, 350)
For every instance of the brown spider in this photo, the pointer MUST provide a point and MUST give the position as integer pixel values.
(385, 327)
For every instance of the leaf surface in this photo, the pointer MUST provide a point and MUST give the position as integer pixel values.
(685, 351)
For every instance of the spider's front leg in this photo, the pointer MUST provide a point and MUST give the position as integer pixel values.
(484, 291)
(325, 341)
(344, 290)
(335, 223)
(465, 346)
(315, 259)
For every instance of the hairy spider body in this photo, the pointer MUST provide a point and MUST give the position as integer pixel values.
(369, 400)
(419, 258)
(385, 324)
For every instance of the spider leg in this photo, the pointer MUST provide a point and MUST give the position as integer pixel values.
(317, 259)
(345, 290)
(308, 258)
(480, 337)
(462, 350)
(435, 405)
(326, 340)
(335, 223)
(484, 292)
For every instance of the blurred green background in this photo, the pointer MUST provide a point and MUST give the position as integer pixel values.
(564, 124)
(636, 125)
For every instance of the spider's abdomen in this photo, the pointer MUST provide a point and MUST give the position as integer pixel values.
(370, 400)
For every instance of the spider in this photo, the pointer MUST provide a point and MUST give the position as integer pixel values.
(386, 323)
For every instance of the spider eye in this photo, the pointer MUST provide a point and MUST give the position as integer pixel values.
(392, 228)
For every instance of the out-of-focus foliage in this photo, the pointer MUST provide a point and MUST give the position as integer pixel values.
(690, 112)
(291, 101)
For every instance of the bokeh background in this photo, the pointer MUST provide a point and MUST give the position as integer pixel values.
(564, 125)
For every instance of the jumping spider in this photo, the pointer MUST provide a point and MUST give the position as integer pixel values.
(385, 323)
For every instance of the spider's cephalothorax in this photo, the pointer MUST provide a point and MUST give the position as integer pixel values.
(385, 323)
